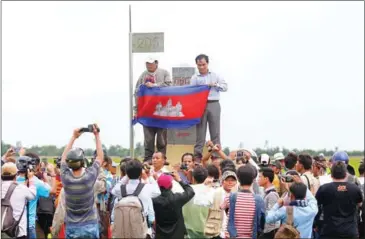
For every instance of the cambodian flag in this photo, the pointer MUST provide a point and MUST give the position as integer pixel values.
(173, 107)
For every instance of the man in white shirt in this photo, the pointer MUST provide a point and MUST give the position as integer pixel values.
(158, 168)
(19, 196)
(150, 190)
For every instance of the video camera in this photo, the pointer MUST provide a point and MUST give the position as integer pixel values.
(24, 163)
(89, 129)
(57, 161)
(184, 167)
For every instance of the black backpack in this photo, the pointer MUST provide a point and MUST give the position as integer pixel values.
(9, 225)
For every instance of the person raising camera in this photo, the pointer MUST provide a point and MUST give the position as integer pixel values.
(186, 167)
(81, 215)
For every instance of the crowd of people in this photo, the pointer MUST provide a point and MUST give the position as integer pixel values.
(240, 195)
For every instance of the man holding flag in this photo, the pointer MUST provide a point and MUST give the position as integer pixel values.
(212, 111)
(152, 77)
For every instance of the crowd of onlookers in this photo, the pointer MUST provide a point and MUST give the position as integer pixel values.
(240, 195)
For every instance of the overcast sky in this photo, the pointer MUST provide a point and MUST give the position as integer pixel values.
(295, 70)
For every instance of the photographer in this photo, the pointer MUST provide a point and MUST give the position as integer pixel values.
(81, 214)
(18, 196)
(168, 207)
(215, 153)
(25, 164)
(186, 167)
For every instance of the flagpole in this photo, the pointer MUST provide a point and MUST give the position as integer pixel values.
(131, 135)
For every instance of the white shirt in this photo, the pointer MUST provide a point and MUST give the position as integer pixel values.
(203, 195)
(176, 187)
(148, 192)
(18, 199)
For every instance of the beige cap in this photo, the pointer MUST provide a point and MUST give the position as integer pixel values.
(9, 169)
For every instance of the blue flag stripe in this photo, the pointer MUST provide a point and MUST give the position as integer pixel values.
(167, 124)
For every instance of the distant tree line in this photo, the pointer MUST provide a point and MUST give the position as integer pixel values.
(118, 150)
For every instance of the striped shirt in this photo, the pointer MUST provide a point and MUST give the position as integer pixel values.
(79, 195)
(244, 214)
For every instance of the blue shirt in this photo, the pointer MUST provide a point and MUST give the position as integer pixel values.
(303, 216)
(109, 184)
(210, 78)
(43, 190)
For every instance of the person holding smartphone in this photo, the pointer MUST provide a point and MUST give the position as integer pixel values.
(168, 206)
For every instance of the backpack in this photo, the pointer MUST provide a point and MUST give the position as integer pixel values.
(9, 225)
(213, 225)
(288, 230)
(129, 220)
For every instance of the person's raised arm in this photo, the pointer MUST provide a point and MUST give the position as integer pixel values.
(75, 135)
(99, 146)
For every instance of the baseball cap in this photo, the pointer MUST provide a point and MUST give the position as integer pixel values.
(151, 60)
(227, 174)
(165, 181)
(114, 164)
(276, 164)
(278, 156)
(265, 158)
(9, 169)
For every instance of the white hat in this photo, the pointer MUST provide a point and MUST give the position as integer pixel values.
(278, 156)
(151, 60)
(265, 158)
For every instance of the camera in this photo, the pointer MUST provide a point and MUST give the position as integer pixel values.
(24, 163)
(89, 129)
(57, 161)
(184, 167)
(288, 178)
(169, 173)
(240, 155)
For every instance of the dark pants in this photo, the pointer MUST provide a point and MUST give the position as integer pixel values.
(149, 141)
(211, 117)
(45, 222)
(268, 235)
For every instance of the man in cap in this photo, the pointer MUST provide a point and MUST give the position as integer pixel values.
(168, 207)
(264, 160)
(276, 167)
(212, 111)
(153, 76)
(280, 158)
(81, 213)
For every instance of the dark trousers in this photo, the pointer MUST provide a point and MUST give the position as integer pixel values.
(211, 117)
(45, 222)
(150, 134)
(268, 235)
